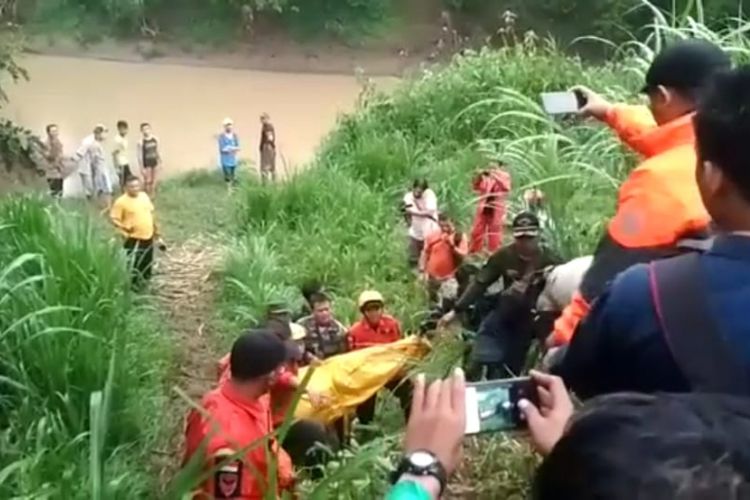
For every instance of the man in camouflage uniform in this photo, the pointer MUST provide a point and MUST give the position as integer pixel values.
(325, 336)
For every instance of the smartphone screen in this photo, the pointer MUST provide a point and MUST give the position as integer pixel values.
(558, 103)
(493, 406)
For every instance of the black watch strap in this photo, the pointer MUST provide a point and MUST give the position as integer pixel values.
(434, 469)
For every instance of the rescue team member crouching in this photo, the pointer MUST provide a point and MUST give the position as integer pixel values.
(236, 418)
(377, 328)
(505, 335)
(658, 204)
(133, 214)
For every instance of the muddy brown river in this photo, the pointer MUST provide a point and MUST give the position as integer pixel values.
(184, 104)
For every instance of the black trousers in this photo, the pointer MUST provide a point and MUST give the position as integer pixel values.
(303, 443)
(400, 388)
(141, 258)
(55, 187)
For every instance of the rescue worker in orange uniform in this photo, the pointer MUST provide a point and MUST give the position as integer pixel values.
(377, 328)
(658, 204)
(492, 185)
(238, 421)
(303, 435)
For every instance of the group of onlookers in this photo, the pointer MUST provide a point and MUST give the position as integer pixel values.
(91, 164)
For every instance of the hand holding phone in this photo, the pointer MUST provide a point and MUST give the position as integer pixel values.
(548, 417)
(493, 406)
(560, 103)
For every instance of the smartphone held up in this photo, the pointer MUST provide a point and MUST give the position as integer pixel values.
(562, 103)
(493, 406)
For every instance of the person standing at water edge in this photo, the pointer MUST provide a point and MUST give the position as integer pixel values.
(92, 166)
(54, 161)
(421, 210)
(229, 146)
(267, 149)
(492, 185)
(148, 158)
(133, 215)
(120, 154)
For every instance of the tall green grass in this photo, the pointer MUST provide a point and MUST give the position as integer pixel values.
(69, 329)
(338, 221)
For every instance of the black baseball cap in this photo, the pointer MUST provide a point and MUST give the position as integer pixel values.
(686, 65)
(526, 224)
(259, 352)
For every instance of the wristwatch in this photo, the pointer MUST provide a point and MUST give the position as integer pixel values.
(421, 463)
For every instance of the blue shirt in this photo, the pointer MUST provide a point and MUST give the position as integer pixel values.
(621, 346)
(228, 155)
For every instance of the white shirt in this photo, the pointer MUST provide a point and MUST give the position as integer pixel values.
(562, 283)
(121, 151)
(421, 227)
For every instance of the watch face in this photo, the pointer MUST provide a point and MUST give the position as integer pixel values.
(421, 459)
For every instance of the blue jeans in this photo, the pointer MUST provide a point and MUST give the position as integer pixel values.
(229, 176)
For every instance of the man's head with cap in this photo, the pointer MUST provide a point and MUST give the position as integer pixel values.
(679, 76)
(256, 357)
(526, 230)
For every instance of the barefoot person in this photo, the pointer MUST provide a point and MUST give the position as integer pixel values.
(133, 215)
(267, 149)
(148, 158)
(229, 147)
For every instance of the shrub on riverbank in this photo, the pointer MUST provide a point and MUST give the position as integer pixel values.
(70, 328)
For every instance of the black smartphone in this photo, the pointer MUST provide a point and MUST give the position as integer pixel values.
(493, 406)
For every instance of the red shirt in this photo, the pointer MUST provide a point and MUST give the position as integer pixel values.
(362, 334)
(282, 392)
(492, 189)
(235, 423)
(441, 254)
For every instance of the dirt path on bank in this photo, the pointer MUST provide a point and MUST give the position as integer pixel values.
(185, 286)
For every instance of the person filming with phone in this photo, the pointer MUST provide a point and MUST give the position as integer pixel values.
(658, 204)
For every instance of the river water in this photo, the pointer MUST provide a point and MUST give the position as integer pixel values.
(184, 104)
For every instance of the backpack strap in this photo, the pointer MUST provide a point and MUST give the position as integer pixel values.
(681, 303)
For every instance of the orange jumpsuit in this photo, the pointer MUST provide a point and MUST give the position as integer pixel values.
(492, 190)
(658, 205)
(236, 423)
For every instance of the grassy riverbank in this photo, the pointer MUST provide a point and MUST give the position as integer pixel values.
(87, 368)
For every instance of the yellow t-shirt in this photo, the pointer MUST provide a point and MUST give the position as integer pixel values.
(135, 213)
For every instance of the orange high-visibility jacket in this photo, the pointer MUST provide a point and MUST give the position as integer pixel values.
(232, 424)
(657, 205)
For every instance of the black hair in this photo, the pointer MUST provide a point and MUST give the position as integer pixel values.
(310, 288)
(50, 127)
(445, 216)
(145, 124)
(645, 447)
(420, 183)
(318, 298)
(122, 124)
(131, 178)
(256, 353)
(722, 126)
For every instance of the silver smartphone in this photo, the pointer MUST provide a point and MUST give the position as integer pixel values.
(493, 406)
(560, 103)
